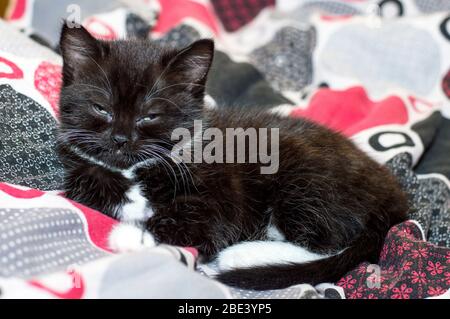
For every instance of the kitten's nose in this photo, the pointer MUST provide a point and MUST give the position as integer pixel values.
(120, 140)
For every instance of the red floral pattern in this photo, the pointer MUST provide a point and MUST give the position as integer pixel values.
(435, 268)
(436, 291)
(401, 293)
(347, 282)
(409, 268)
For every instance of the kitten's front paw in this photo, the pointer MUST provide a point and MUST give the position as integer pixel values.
(127, 237)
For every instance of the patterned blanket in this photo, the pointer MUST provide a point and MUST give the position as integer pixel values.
(377, 71)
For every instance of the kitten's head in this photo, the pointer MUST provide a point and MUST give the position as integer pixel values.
(121, 100)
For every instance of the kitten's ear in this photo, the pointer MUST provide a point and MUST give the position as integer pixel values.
(191, 64)
(78, 48)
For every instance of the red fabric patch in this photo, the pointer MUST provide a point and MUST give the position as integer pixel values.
(99, 29)
(335, 17)
(18, 10)
(75, 292)
(14, 72)
(192, 250)
(351, 111)
(20, 193)
(48, 81)
(174, 11)
(99, 225)
(236, 13)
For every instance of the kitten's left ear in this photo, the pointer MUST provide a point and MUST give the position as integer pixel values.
(192, 64)
(78, 48)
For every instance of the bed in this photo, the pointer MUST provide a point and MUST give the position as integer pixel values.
(380, 77)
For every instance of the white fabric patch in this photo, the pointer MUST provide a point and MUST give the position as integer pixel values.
(389, 139)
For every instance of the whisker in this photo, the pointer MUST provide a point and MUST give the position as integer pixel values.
(157, 81)
(167, 100)
(172, 85)
(96, 88)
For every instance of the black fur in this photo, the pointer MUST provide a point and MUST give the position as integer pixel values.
(327, 195)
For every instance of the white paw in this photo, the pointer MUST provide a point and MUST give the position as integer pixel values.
(127, 238)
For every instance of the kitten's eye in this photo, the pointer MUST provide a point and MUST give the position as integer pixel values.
(148, 118)
(100, 110)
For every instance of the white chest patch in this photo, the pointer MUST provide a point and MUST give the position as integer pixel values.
(137, 208)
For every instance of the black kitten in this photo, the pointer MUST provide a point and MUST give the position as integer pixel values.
(326, 209)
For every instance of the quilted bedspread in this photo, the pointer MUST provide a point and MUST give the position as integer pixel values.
(377, 71)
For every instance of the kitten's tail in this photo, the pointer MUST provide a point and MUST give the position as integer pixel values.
(329, 269)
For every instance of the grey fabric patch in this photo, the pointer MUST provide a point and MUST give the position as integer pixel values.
(428, 128)
(180, 36)
(153, 275)
(302, 291)
(436, 158)
(331, 293)
(27, 143)
(330, 7)
(241, 85)
(36, 241)
(393, 55)
(429, 200)
(137, 27)
(295, 292)
(429, 6)
(286, 61)
(439, 195)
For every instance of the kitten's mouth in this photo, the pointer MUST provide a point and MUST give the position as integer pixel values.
(120, 158)
(117, 158)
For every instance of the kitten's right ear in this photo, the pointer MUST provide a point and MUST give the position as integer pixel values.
(78, 48)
